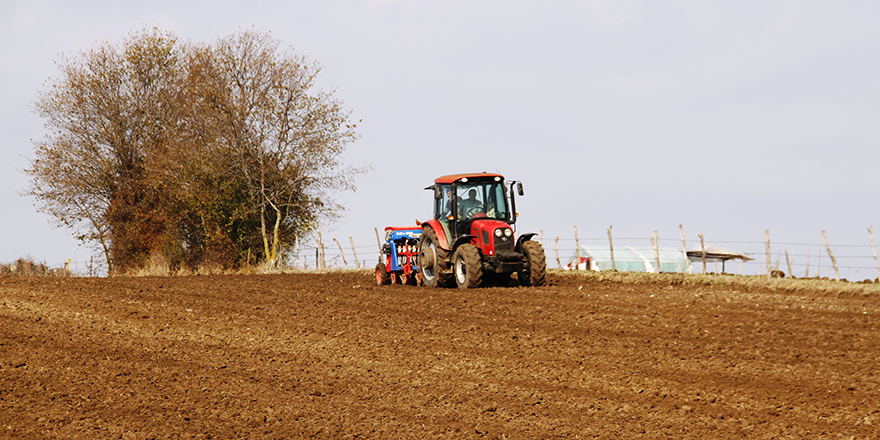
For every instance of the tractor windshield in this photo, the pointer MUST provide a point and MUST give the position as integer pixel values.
(473, 200)
(481, 200)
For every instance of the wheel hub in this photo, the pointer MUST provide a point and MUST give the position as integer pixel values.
(426, 257)
(460, 271)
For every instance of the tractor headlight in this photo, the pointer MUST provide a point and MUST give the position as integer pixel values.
(498, 232)
(508, 232)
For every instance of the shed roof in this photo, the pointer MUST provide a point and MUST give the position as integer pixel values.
(715, 253)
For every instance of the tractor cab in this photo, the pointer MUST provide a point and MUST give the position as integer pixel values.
(460, 200)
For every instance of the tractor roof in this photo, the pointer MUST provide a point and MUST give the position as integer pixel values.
(454, 177)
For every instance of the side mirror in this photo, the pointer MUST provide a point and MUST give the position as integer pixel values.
(519, 188)
(438, 194)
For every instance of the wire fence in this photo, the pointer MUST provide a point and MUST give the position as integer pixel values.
(93, 267)
(801, 259)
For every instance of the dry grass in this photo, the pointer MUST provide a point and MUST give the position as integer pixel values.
(819, 286)
(27, 267)
(158, 266)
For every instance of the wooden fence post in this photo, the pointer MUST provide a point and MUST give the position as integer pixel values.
(357, 262)
(541, 237)
(703, 251)
(577, 249)
(611, 248)
(871, 232)
(378, 241)
(556, 248)
(684, 249)
(323, 255)
(767, 249)
(344, 263)
(296, 252)
(833, 260)
(788, 263)
(807, 271)
(655, 240)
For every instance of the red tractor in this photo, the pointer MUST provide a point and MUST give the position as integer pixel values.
(470, 241)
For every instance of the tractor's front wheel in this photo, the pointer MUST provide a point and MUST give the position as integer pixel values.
(468, 268)
(382, 275)
(535, 271)
(432, 259)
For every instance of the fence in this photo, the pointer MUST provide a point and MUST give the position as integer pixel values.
(803, 259)
(303, 255)
(92, 267)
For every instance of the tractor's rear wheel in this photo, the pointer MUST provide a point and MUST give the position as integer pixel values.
(382, 275)
(535, 270)
(468, 269)
(433, 260)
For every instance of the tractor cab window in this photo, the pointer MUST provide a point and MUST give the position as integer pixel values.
(481, 200)
(443, 205)
(496, 205)
(470, 201)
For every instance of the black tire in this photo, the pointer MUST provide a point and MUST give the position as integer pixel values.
(382, 276)
(535, 271)
(433, 260)
(408, 279)
(468, 269)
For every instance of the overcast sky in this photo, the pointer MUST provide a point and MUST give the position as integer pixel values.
(728, 118)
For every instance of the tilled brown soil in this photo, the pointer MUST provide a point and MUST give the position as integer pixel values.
(334, 356)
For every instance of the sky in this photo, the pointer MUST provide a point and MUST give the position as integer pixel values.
(728, 118)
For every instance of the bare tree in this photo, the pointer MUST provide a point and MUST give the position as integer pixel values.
(108, 110)
(286, 139)
(199, 152)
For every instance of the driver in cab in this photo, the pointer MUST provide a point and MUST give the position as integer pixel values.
(469, 206)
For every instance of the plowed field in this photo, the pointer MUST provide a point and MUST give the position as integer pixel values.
(334, 356)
